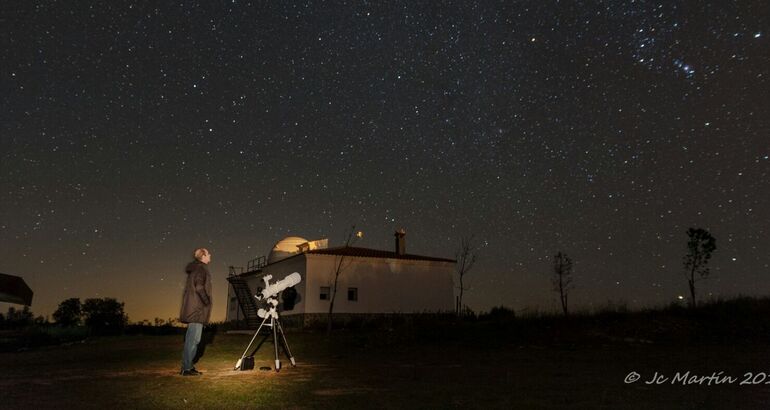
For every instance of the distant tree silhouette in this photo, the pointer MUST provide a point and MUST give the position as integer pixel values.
(18, 318)
(104, 316)
(562, 278)
(341, 266)
(69, 312)
(466, 257)
(700, 246)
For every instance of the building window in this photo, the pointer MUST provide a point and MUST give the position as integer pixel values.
(353, 294)
(325, 291)
(233, 303)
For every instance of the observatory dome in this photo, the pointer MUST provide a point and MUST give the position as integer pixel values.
(288, 246)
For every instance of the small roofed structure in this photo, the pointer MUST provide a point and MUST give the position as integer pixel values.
(13, 289)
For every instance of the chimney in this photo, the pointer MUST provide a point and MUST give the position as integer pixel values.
(400, 241)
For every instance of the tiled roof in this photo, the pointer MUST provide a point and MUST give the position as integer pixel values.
(374, 253)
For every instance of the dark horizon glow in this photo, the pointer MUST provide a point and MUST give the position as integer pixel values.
(133, 133)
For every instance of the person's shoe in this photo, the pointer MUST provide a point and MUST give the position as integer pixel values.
(191, 372)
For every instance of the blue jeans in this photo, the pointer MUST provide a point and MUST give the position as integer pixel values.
(191, 340)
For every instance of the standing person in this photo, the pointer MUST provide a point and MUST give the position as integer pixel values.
(196, 307)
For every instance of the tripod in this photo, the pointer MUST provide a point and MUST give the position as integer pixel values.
(275, 324)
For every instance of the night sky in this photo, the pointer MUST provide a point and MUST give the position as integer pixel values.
(133, 133)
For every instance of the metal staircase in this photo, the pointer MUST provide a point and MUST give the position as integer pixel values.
(245, 299)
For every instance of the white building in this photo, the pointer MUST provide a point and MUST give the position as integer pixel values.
(370, 282)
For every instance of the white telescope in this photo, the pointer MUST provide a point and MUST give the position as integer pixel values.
(271, 290)
(269, 295)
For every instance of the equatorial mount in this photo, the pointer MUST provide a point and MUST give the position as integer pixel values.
(271, 319)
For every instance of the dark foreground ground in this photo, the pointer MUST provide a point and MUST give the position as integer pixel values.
(374, 370)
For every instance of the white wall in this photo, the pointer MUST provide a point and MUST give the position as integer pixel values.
(234, 311)
(384, 285)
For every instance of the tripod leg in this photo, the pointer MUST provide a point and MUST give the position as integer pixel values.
(285, 344)
(275, 345)
(238, 363)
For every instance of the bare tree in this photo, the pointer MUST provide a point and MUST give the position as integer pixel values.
(562, 278)
(466, 258)
(341, 266)
(699, 248)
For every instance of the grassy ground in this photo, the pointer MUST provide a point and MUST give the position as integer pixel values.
(379, 369)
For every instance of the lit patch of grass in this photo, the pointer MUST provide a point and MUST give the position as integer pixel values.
(499, 361)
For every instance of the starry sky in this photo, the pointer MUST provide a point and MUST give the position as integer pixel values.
(133, 133)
